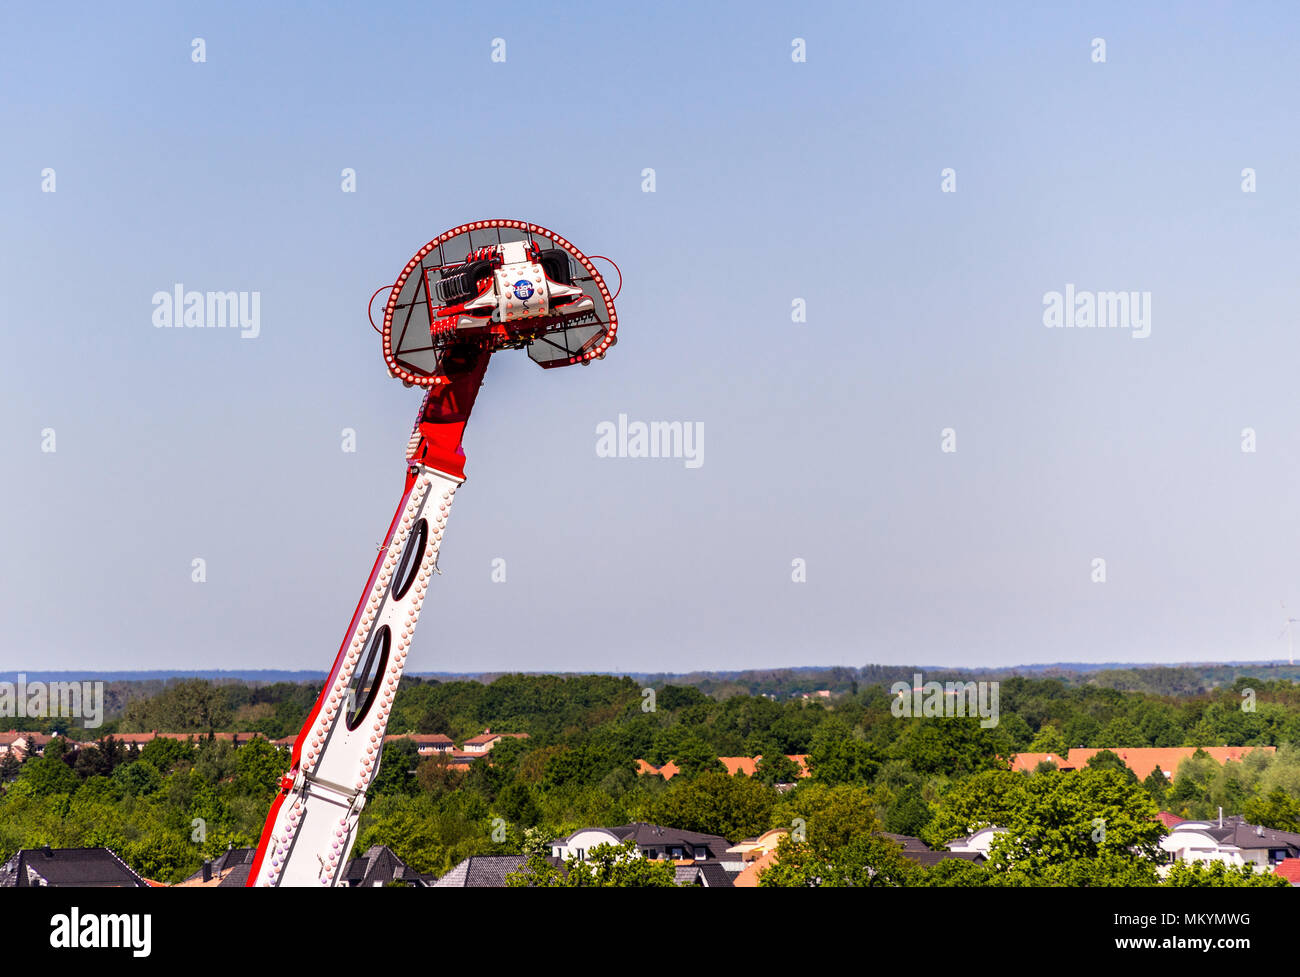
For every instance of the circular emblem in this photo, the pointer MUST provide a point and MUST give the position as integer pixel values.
(523, 289)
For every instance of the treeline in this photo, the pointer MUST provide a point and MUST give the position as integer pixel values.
(277, 708)
(170, 804)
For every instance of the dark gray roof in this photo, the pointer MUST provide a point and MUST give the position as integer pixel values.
(909, 843)
(239, 862)
(929, 859)
(1237, 832)
(482, 872)
(708, 874)
(68, 867)
(379, 866)
(715, 876)
(231, 867)
(659, 837)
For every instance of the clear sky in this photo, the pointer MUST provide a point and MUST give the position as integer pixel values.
(774, 180)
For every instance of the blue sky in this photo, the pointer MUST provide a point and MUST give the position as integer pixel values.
(775, 180)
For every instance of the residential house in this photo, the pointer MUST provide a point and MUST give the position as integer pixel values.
(652, 841)
(143, 739)
(428, 744)
(379, 866)
(68, 867)
(710, 875)
(22, 745)
(484, 742)
(916, 850)
(481, 872)
(751, 849)
(748, 877)
(761, 853)
(229, 870)
(977, 842)
(1231, 840)
(1289, 869)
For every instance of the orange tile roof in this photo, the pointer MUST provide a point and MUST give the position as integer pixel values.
(1289, 869)
(739, 764)
(1141, 759)
(1169, 820)
(748, 879)
(133, 737)
(1029, 761)
(179, 737)
(734, 764)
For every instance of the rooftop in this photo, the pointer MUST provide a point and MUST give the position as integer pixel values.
(68, 867)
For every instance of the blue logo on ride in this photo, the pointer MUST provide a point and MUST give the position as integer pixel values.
(523, 289)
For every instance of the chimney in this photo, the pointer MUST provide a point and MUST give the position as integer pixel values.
(47, 851)
(1220, 817)
(207, 870)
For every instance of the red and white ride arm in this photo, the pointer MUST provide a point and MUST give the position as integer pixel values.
(312, 823)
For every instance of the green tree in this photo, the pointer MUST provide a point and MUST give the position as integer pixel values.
(397, 762)
(1220, 875)
(952, 747)
(49, 775)
(91, 762)
(166, 754)
(162, 857)
(987, 799)
(774, 767)
(868, 861)
(957, 873)
(909, 813)
(838, 757)
(1048, 739)
(1095, 825)
(1122, 732)
(1279, 810)
(187, 706)
(1109, 760)
(828, 816)
(713, 803)
(606, 866)
(1157, 787)
(138, 779)
(696, 757)
(259, 767)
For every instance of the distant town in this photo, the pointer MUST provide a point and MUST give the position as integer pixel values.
(1161, 776)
